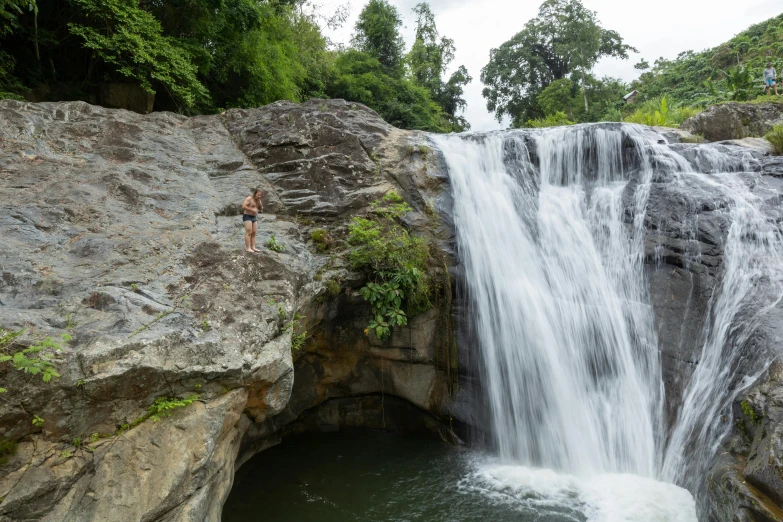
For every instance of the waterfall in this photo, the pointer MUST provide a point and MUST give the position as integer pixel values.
(752, 284)
(550, 228)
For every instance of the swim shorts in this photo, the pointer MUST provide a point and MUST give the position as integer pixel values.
(770, 82)
(248, 217)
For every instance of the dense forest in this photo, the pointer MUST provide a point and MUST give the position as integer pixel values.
(204, 56)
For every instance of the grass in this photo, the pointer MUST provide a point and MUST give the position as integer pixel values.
(760, 100)
(7, 448)
(695, 138)
(775, 137)
(321, 240)
(333, 287)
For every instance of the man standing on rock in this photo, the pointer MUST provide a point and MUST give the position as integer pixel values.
(250, 208)
(770, 79)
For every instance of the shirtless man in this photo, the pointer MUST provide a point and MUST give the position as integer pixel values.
(251, 206)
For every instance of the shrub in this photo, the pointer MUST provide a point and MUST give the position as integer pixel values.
(37, 359)
(775, 137)
(557, 119)
(321, 239)
(392, 197)
(384, 248)
(395, 263)
(661, 112)
(274, 245)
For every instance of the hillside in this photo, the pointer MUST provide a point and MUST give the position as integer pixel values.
(701, 78)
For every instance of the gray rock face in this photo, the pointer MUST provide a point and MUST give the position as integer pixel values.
(734, 121)
(124, 231)
(177, 469)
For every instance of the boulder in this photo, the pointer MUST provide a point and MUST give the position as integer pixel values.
(735, 121)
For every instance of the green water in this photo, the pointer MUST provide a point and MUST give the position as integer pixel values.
(368, 477)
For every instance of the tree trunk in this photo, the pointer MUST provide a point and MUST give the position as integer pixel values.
(584, 89)
(35, 37)
(584, 79)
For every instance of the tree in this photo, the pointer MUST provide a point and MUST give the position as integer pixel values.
(131, 41)
(249, 53)
(643, 65)
(360, 77)
(564, 38)
(428, 59)
(559, 96)
(429, 55)
(451, 99)
(10, 9)
(377, 34)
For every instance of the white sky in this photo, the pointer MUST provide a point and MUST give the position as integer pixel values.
(662, 28)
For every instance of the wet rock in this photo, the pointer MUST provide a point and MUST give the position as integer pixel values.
(734, 499)
(765, 467)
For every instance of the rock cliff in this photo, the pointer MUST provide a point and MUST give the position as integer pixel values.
(123, 231)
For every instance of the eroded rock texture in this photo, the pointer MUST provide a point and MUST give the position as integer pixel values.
(124, 231)
(734, 121)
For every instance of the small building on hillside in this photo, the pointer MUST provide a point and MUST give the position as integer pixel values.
(631, 96)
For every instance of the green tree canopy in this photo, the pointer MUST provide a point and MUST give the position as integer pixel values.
(203, 56)
(565, 38)
(373, 72)
(428, 59)
(131, 41)
(378, 34)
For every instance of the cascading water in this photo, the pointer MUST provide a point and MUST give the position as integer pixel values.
(752, 284)
(551, 229)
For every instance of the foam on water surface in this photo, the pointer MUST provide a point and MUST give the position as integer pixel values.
(602, 498)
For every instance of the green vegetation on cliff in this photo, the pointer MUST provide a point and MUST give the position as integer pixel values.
(775, 137)
(38, 359)
(395, 263)
(204, 56)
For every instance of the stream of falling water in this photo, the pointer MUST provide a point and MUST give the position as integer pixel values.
(553, 255)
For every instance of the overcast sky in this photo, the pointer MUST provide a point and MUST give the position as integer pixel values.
(663, 28)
